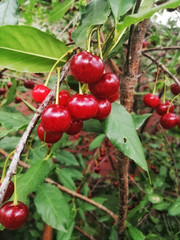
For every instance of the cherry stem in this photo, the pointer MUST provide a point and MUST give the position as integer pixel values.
(164, 94)
(57, 89)
(80, 89)
(5, 165)
(69, 51)
(99, 43)
(89, 39)
(154, 90)
(172, 102)
(15, 191)
(67, 86)
(31, 107)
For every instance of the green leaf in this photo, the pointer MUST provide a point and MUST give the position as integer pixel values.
(29, 181)
(65, 179)
(140, 119)
(96, 12)
(135, 234)
(66, 158)
(92, 125)
(74, 173)
(11, 93)
(28, 49)
(163, 206)
(174, 210)
(4, 143)
(58, 12)
(147, 4)
(113, 234)
(97, 142)
(88, 207)
(134, 211)
(155, 198)
(70, 227)
(52, 207)
(120, 130)
(120, 7)
(9, 12)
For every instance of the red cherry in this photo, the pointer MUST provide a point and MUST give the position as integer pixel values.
(86, 68)
(47, 137)
(13, 216)
(104, 109)
(39, 93)
(168, 120)
(97, 169)
(175, 89)
(90, 195)
(63, 97)
(9, 84)
(151, 100)
(29, 84)
(2, 91)
(75, 127)
(9, 192)
(114, 97)
(55, 118)
(163, 107)
(115, 184)
(17, 100)
(107, 86)
(82, 107)
(69, 33)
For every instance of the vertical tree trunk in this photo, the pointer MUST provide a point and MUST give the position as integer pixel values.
(127, 84)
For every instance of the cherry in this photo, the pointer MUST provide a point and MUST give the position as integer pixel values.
(82, 107)
(29, 84)
(97, 169)
(69, 33)
(40, 92)
(107, 86)
(104, 109)
(63, 97)
(9, 192)
(163, 107)
(47, 137)
(17, 100)
(145, 44)
(86, 68)
(13, 216)
(151, 100)
(90, 195)
(55, 118)
(168, 120)
(114, 97)
(9, 84)
(175, 89)
(2, 91)
(115, 183)
(75, 127)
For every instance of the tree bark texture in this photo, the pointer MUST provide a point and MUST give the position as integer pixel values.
(127, 85)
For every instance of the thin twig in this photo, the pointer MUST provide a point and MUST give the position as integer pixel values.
(161, 49)
(84, 233)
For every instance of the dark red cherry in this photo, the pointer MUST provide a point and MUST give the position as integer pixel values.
(63, 97)
(9, 84)
(97, 169)
(29, 84)
(17, 100)
(47, 136)
(104, 109)
(168, 120)
(2, 91)
(82, 107)
(55, 118)
(115, 183)
(75, 127)
(9, 192)
(151, 100)
(40, 92)
(114, 97)
(175, 89)
(13, 216)
(107, 86)
(86, 68)
(163, 107)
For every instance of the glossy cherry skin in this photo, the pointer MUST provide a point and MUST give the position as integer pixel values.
(2, 91)
(40, 92)
(107, 86)
(47, 136)
(17, 100)
(175, 89)
(82, 107)
(163, 107)
(86, 68)
(75, 127)
(104, 109)
(55, 118)
(13, 216)
(63, 97)
(29, 84)
(114, 97)
(9, 84)
(168, 120)
(9, 192)
(151, 100)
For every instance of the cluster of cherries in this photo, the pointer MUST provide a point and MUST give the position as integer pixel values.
(168, 119)
(69, 114)
(13, 215)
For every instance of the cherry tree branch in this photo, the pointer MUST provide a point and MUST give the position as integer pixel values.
(84, 233)
(161, 49)
(19, 148)
(162, 66)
